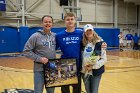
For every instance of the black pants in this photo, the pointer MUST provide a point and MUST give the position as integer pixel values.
(76, 87)
(135, 47)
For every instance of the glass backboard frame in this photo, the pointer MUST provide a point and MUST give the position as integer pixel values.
(75, 10)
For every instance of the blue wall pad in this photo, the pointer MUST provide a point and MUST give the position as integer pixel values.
(9, 39)
(109, 35)
(24, 35)
(14, 39)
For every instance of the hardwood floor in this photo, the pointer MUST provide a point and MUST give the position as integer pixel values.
(122, 73)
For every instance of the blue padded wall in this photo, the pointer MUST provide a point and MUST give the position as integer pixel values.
(13, 40)
(24, 35)
(9, 39)
(109, 35)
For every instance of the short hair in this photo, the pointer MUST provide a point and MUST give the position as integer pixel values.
(70, 14)
(47, 16)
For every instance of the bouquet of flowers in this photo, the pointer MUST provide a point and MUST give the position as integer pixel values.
(88, 64)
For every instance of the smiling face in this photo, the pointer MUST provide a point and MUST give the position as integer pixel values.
(47, 23)
(89, 33)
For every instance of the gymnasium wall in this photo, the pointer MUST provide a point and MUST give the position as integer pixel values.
(102, 13)
(102, 17)
(13, 39)
(139, 18)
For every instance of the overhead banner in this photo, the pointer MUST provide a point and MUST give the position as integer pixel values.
(2, 5)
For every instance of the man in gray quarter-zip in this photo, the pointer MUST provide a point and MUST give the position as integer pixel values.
(40, 47)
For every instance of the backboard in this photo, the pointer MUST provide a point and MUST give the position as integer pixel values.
(75, 10)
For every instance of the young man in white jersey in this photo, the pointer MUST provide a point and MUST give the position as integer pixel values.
(120, 41)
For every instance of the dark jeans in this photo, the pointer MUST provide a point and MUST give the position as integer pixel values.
(76, 87)
(135, 47)
(92, 83)
(39, 83)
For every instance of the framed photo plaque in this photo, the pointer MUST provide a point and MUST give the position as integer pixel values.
(59, 72)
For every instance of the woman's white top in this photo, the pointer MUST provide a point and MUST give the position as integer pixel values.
(88, 52)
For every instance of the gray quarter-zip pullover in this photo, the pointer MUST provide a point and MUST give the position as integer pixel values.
(40, 45)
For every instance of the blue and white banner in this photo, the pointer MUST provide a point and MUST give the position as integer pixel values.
(2, 5)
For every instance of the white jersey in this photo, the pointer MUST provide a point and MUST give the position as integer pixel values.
(120, 38)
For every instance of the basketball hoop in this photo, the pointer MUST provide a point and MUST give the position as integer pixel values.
(75, 10)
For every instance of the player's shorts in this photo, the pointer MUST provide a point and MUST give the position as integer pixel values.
(121, 41)
(128, 41)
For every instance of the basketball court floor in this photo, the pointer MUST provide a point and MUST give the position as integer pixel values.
(122, 73)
